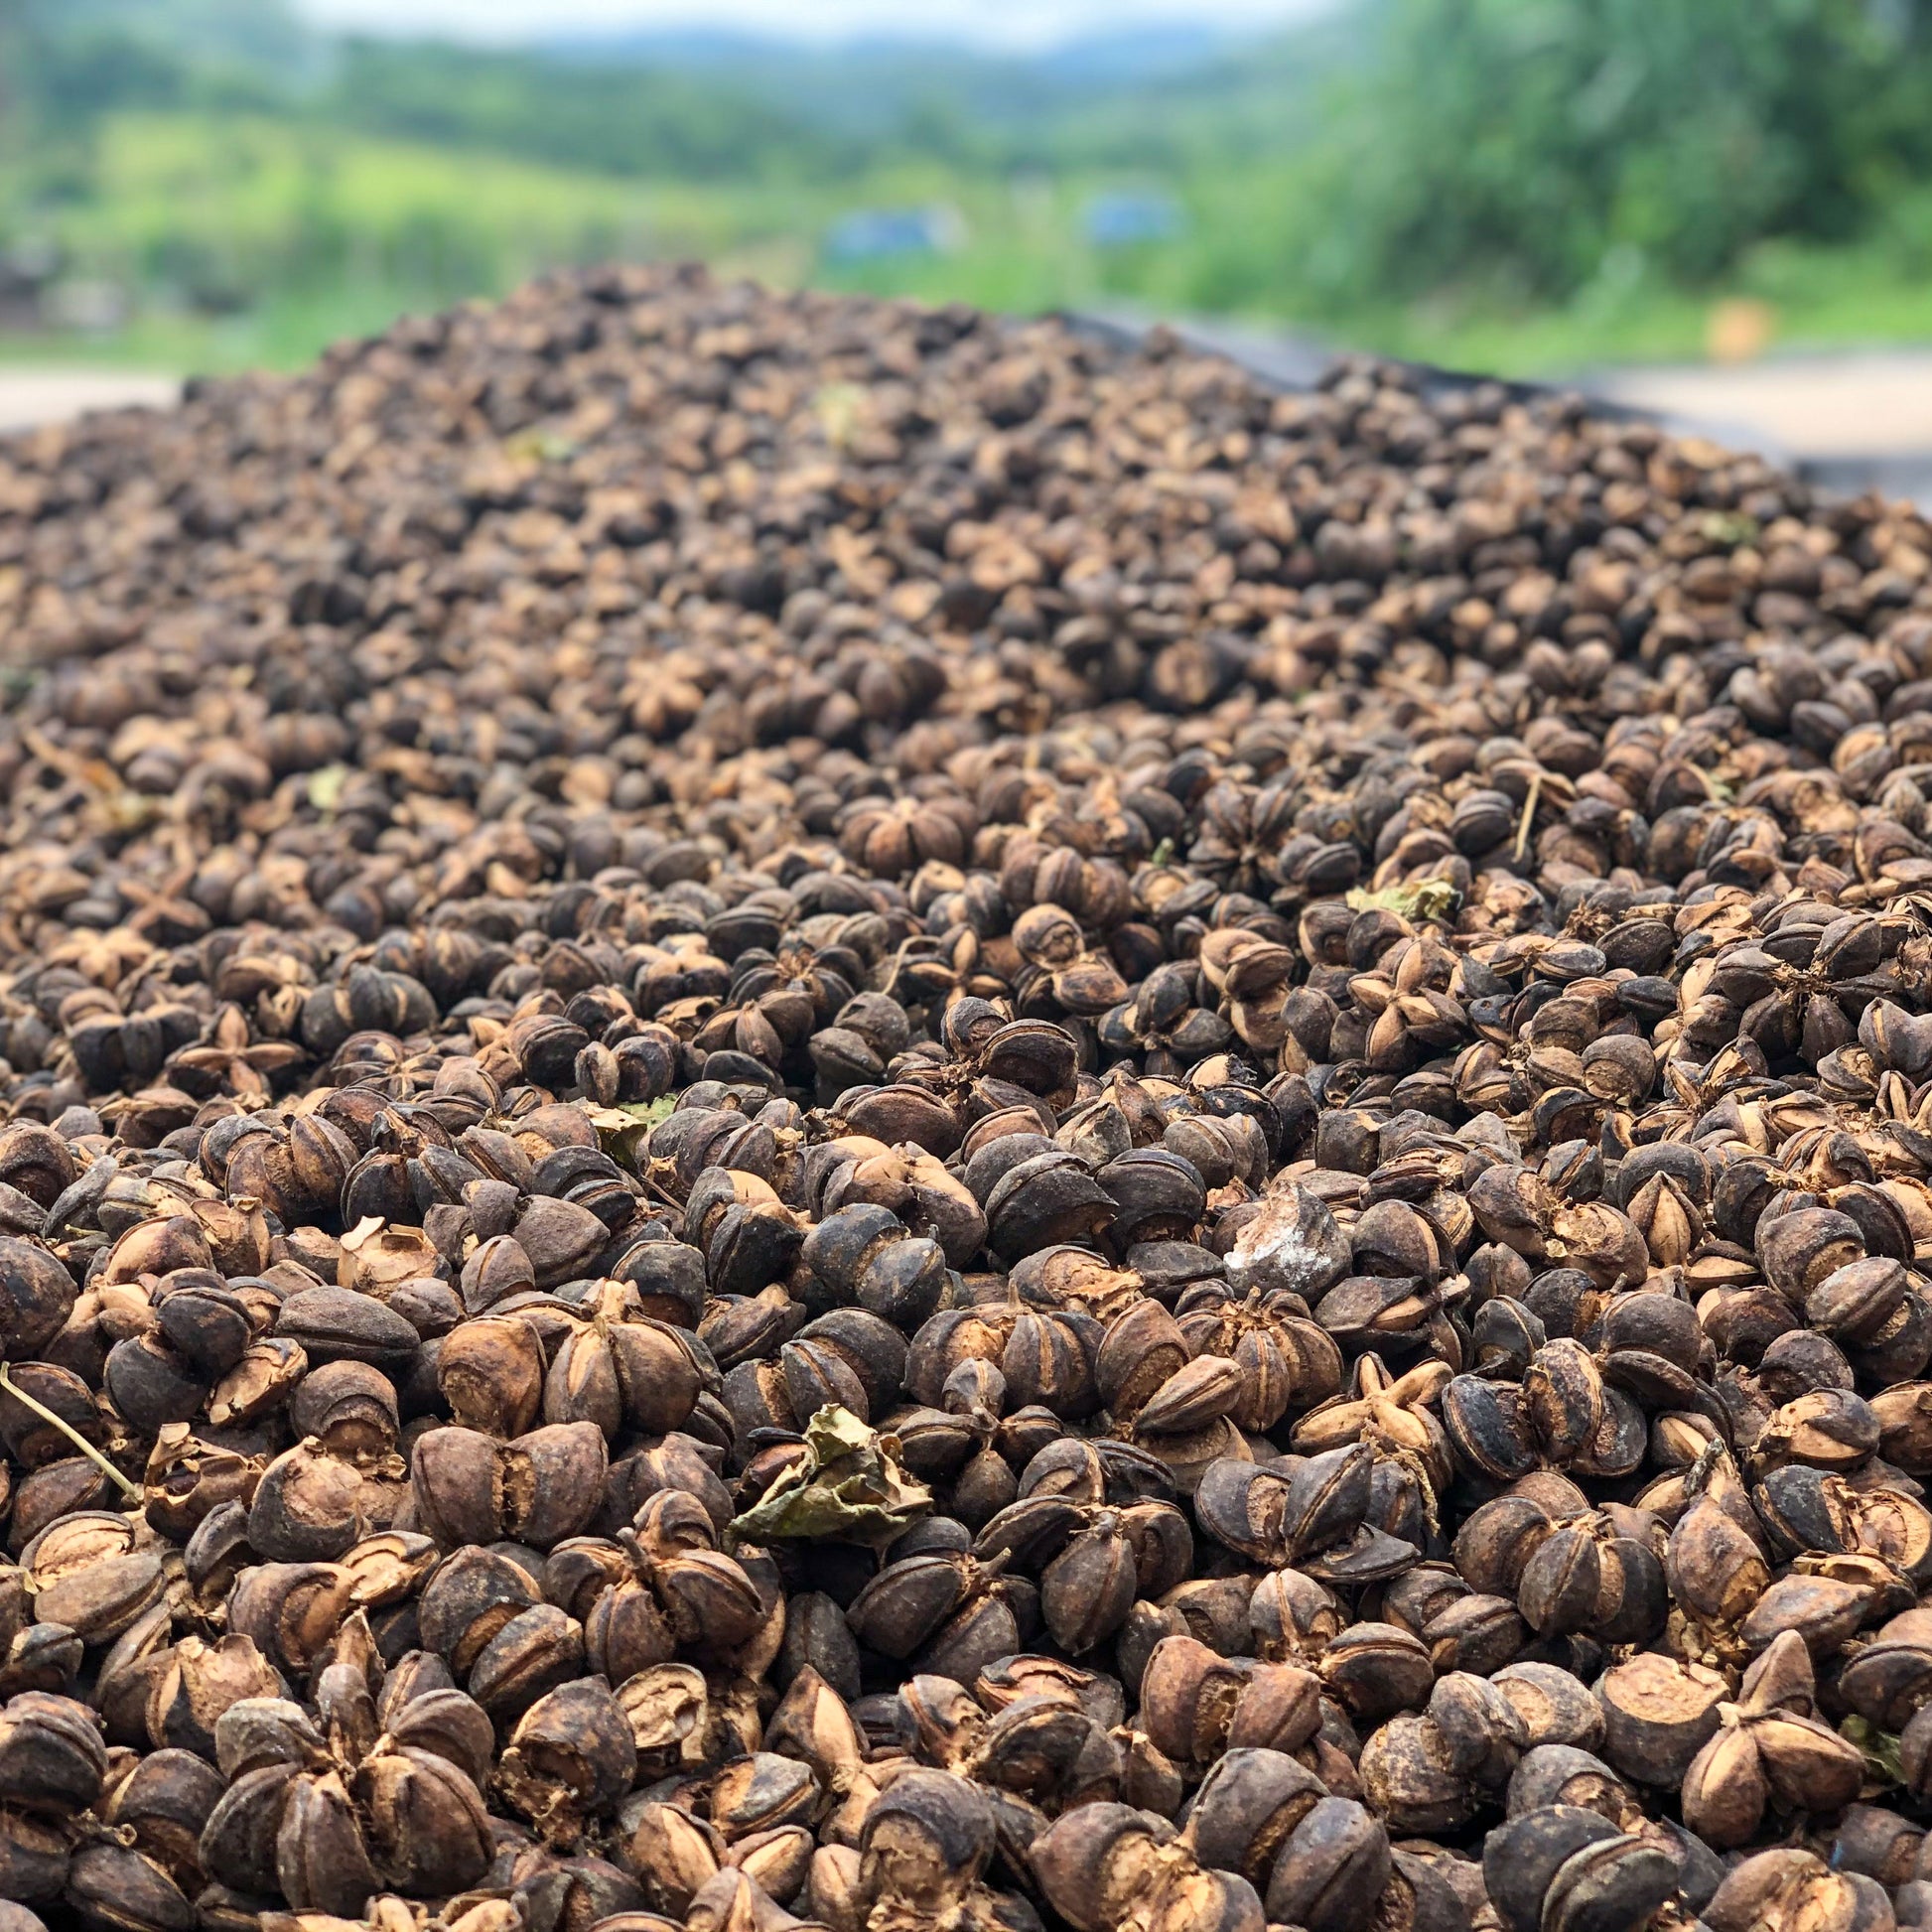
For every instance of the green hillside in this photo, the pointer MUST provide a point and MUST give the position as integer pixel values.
(1522, 183)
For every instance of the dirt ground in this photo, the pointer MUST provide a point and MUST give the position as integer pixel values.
(29, 397)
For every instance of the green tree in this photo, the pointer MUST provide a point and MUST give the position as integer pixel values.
(1519, 142)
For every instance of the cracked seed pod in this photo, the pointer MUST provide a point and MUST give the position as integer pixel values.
(533, 1652)
(126, 1674)
(1376, 1670)
(165, 1802)
(425, 1824)
(925, 1840)
(197, 1682)
(1556, 1709)
(1095, 1863)
(1565, 1867)
(1567, 1774)
(35, 1856)
(1287, 1360)
(490, 1375)
(866, 1254)
(1193, 1399)
(949, 1610)
(1157, 1195)
(1052, 1753)
(570, 1760)
(290, 1611)
(339, 1324)
(671, 1853)
(1890, 1678)
(51, 1756)
(920, 1191)
(312, 1507)
(1432, 1772)
(1044, 1202)
(1087, 1589)
(1879, 1843)
(1247, 1805)
(1187, 1698)
(1789, 1888)
(627, 1371)
(747, 1234)
(1658, 1715)
(541, 1488)
(468, 1600)
(321, 1859)
(187, 1479)
(813, 1724)
(111, 1886)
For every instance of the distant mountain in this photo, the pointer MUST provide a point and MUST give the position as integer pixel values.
(876, 85)
(1107, 59)
(263, 37)
(1135, 53)
(691, 48)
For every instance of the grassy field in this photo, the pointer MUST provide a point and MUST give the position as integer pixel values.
(255, 241)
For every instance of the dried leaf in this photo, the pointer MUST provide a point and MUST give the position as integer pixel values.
(1425, 898)
(850, 1488)
(622, 1129)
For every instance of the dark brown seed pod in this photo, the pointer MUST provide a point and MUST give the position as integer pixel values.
(290, 1611)
(570, 1760)
(1331, 1869)
(425, 1823)
(1658, 1714)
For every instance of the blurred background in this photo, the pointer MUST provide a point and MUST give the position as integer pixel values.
(1730, 196)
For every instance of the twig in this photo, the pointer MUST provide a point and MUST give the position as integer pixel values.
(1529, 815)
(73, 1434)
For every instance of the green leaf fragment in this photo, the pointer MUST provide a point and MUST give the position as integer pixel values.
(542, 446)
(850, 1487)
(841, 408)
(1729, 528)
(326, 785)
(1879, 1748)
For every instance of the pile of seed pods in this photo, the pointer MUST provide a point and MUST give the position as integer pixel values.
(825, 1114)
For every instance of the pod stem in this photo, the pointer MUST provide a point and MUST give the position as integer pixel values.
(73, 1434)
(1529, 815)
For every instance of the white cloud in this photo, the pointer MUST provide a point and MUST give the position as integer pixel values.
(1014, 24)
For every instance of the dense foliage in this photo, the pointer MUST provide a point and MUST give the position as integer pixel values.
(615, 119)
(1530, 138)
(1394, 170)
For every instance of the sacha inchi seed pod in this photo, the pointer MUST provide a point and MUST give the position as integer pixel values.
(1100, 1150)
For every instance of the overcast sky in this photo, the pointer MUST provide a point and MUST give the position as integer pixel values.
(1019, 24)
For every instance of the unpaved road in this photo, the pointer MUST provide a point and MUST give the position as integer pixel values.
(1878, 403)
(29, 397)
(1850, 421)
